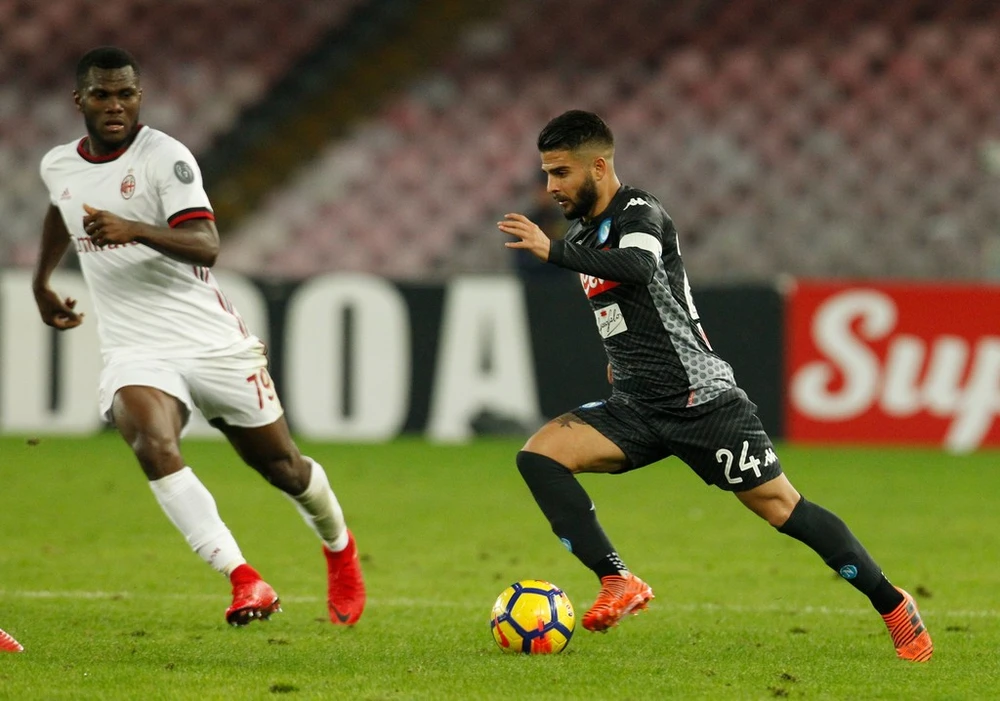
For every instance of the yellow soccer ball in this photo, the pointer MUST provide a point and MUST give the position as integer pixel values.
(533, 617)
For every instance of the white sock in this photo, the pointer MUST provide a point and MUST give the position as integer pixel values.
(321, 510)
(191, 508)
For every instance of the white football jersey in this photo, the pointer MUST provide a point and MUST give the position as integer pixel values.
(146, 303)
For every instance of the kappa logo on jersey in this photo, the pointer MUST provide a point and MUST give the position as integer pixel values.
(610, 321)
(128, 186)
(593, 286)
(603, 231)
(769, 457)
(184, 172)
(636, 201)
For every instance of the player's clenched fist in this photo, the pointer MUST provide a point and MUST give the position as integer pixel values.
(105, 228)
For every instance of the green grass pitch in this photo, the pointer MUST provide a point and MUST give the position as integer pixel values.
(110, 603)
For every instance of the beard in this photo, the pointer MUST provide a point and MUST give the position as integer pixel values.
(585, 200)
(104, 144)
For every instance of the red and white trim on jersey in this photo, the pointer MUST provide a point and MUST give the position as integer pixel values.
(205, 275)
(189, 214)
(147, 303)
(85, 154)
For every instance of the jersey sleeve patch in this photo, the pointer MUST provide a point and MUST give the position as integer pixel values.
(189, 214)
(184, 172)
(646, 242)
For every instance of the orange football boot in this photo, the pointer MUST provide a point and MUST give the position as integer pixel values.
(620, 595)
(908, 632)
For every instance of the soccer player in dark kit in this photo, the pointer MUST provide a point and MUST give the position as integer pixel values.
(671, 394)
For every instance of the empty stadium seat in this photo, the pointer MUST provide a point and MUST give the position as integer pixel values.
(812, 138)
(203, 63)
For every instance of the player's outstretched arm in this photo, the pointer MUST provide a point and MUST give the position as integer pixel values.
(630, 264)
(531, 238)
(194, 241)
(54, 311)
(621, 264)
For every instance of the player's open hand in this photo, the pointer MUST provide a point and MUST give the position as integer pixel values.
(531, 238)
(57, 313)
(105, 228)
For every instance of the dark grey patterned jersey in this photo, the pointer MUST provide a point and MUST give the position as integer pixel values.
(631, 270)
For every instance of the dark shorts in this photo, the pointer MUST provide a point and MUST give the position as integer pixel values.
(723, 441)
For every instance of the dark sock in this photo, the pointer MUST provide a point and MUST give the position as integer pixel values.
(610, 564)
(570, 512)
(833, 541)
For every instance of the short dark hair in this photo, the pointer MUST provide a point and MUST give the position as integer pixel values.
(105, 58)
(573, 129)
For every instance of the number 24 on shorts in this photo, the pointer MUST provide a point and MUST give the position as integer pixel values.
(724, 455)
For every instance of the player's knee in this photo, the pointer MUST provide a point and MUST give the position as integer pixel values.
(532, 465)
(527, 463)
(543, 445)
(159, 455)
(778, 513)
(773, 507)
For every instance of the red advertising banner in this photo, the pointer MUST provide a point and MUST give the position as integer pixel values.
(896, 363)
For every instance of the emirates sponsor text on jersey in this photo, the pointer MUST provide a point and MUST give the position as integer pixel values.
(593, 286)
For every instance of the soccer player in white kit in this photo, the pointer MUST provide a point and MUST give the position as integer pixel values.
(131, 200)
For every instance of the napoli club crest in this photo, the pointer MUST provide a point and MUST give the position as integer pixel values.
(128, 186)
(603, 230)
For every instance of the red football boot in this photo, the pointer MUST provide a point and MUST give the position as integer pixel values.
(253, 598)
(345, 593)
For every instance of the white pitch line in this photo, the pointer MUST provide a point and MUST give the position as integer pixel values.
(404, 602)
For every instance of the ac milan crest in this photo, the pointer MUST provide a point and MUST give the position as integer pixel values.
(128, 186)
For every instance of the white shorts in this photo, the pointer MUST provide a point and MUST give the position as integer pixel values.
(235, 388)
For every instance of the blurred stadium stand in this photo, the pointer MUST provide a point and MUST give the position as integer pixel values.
(858, 138)
(203, 62)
